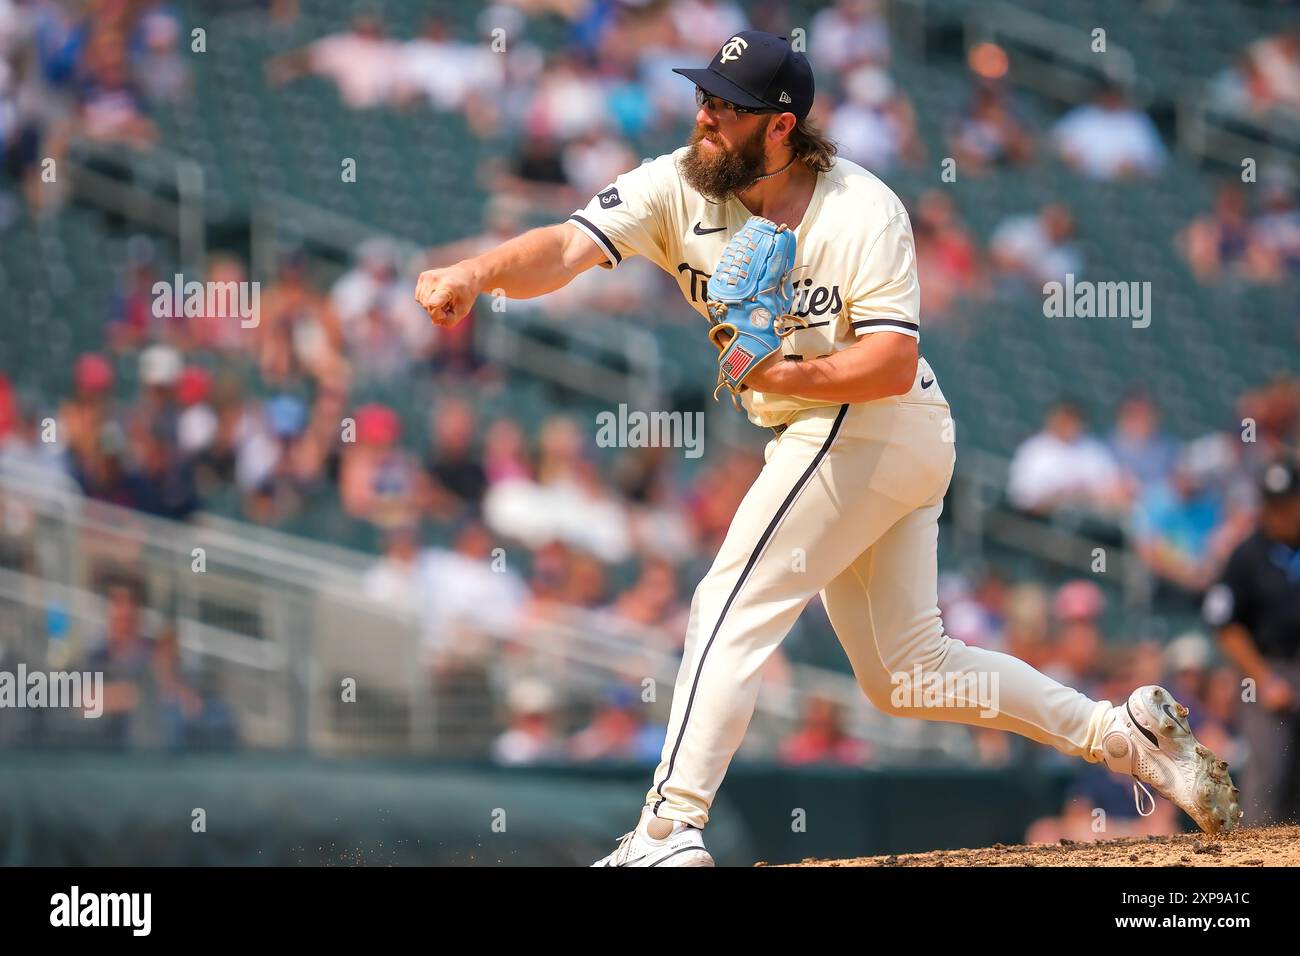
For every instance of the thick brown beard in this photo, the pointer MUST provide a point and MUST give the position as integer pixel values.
(724, 173)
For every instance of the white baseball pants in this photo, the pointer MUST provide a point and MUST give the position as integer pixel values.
(847, 504)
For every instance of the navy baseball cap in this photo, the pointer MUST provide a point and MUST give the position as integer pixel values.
(759, 71)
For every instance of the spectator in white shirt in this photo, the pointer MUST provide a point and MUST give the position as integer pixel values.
(395, 581)
(362, 63)
(469, 596)
(566, 503)
(849, 34)
(1063, 466)
(567, 101)
(531, 736)
(375, 310)
(595, 159)
(703, 24)
(462, 598)
(449, 73)
(1038, 248)
(875, 126)
(1109, 139)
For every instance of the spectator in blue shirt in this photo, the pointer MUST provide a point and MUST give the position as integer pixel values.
(1176, 525)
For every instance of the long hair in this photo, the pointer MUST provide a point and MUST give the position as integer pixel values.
(811, 147)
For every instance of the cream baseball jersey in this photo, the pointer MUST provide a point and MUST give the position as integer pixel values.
(855, 262)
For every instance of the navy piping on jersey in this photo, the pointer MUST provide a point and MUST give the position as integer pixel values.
(588, 227)
(888, 323)
(740, 582)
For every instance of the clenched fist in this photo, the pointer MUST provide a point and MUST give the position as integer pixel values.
(447, 294)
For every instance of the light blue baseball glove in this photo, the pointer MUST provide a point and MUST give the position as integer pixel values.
(749, 298)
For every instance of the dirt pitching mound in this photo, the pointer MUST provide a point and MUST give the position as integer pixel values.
(1266, 846)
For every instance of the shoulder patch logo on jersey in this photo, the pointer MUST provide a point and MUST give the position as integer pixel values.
(732, 49)
(609, 198)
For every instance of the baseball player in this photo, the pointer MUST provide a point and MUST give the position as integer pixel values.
(757, 212)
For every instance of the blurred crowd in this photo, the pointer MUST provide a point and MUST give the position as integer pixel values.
(578, 115)
(151, 696)
(620, 537)
(172, 413)
(1182, 505)
(82, 70)
(1265, 81)
(581, 112)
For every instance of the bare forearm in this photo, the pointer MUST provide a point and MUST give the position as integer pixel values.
(875, 367)
(1240, 649)
(535, 263)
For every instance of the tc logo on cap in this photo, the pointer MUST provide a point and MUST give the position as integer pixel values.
(732, 49)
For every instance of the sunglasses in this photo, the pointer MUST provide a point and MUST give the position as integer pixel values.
(715, 104)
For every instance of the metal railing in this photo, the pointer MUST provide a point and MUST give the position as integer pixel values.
(1055, 59)
(981, 514)
(619, 361)
(274, 624)
(1050, 57)
(163, 191)
(1208, 131)
(159, 190)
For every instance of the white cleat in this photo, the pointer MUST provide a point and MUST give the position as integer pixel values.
(684, 846)
(1149, 739)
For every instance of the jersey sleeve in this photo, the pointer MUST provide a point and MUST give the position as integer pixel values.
(629, 217)
(885, 295)
(1231, 600)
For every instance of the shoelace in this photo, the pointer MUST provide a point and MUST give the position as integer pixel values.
(1137, 797)
(624, 845)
